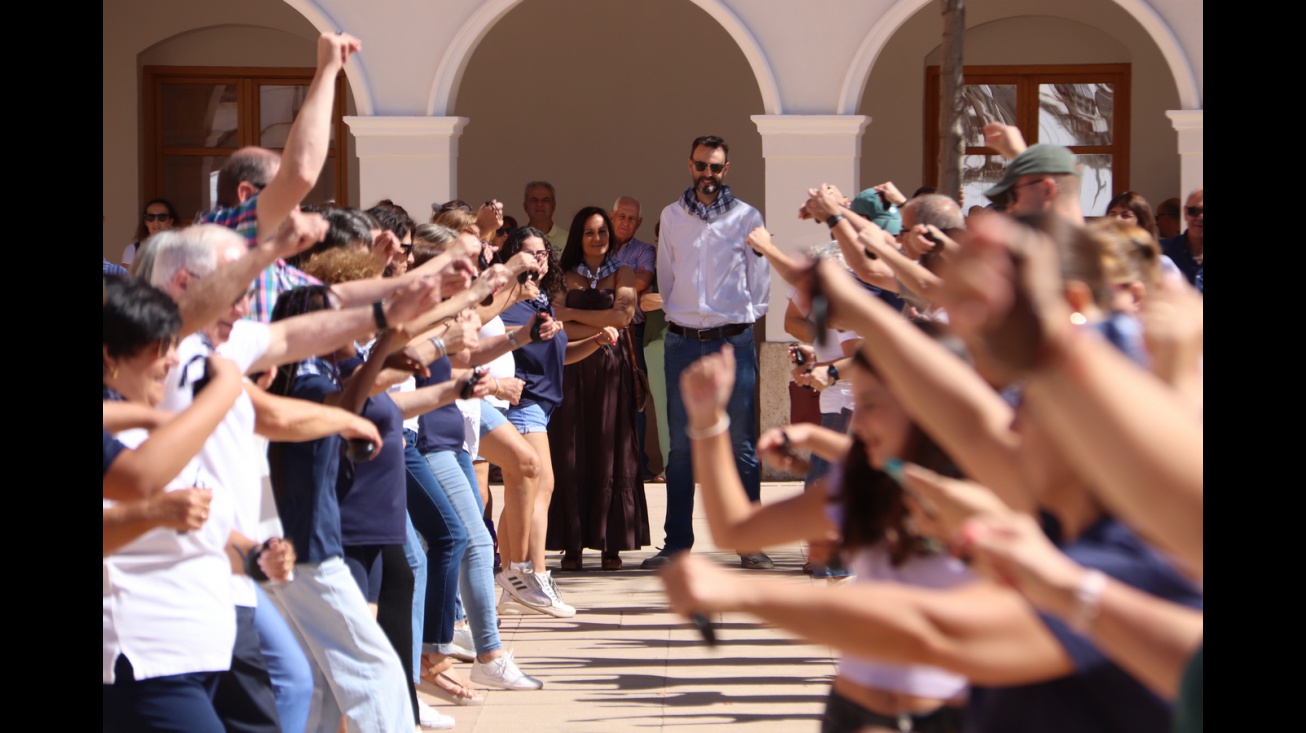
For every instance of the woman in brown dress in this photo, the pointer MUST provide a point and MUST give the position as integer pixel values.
(598, 500)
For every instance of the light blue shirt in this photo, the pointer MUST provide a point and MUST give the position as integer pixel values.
(707, 274)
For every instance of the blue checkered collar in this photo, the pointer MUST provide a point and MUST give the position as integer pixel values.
(724, 202)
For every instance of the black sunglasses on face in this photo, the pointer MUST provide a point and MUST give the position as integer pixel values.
(700, 166)
(504, 230)
(158, 217)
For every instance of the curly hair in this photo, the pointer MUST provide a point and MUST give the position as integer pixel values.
(552, 283)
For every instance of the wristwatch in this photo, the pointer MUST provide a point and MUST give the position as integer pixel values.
(833, 371)
(834, 220)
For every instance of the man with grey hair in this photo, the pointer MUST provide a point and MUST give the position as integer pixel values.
(539, 201)
(258, 188)
(642, 258)
(372, 690)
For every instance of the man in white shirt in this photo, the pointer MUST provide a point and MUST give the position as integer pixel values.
(713, 289)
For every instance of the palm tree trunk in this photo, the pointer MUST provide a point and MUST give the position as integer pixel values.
(952, 144)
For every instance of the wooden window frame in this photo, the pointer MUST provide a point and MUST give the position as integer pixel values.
(247, 80)
(1027, 79)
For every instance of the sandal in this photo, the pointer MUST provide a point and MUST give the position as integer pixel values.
(570, 562)
(661, 478)
(611, 561)
(445, 686)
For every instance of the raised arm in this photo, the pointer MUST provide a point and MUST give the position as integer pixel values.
(1150, 637)
(143, 472)
(824, 202)
(1133, 438)
(912, 274)
(290, 420)
(982, 631)
(943, 394)
(784, 265)
(209, 297)
(299, 337)
(734, 520)
(309, 137)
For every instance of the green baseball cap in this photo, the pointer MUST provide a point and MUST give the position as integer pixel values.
(1036, 159)
(881, 213)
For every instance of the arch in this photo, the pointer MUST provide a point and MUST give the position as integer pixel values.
(854, 82)
(354, 72)
(449, 74)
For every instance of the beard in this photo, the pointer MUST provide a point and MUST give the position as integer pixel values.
(708, 186)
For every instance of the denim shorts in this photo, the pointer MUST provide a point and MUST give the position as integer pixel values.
(532, 418)
(491, 418)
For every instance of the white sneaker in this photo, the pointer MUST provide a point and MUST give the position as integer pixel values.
(463, 645)
(508, 606)
(504, 674)
(523, 586)
(556, 606)
(432, 718)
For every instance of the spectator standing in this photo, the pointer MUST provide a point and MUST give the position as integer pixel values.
(714, 287)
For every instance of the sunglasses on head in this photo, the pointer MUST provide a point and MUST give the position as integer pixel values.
(158, 217)
(700, 166)
(1193, 211)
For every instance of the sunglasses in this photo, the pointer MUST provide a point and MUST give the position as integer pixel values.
(158, 217)
(1193, 211)
(700, 166)
(406, 248)
(504, 230)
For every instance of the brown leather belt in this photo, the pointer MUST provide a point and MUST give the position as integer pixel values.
(709, 334)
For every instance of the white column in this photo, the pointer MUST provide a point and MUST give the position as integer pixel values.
(1188, 123)
(411, 160)
(803, 151)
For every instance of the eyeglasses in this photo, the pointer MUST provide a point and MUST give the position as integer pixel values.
(1013, 189)
(538, 254)
(406, 248)
(158, 217)
(700, 166)
(1193, 211)
(504, 230)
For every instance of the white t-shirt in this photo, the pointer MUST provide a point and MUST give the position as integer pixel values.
(129, 255)
(504, 365)
(167, 597)
(230, 457)
(839, 395)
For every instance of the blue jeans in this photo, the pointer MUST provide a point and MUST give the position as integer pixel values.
(356, 671)
(416, 561)
(838, 422)
(680, 353)
(454, 473)
(446, 541)
(292, 678)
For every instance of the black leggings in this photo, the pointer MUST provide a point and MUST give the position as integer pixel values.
(845, 716)
(383, 574)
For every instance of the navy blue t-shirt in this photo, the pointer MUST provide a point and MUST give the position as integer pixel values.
(441, 428)
(539, 363)
(1099, 696)
(304, 482)
(373, 494)
(112, 447)
(1176, 248)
